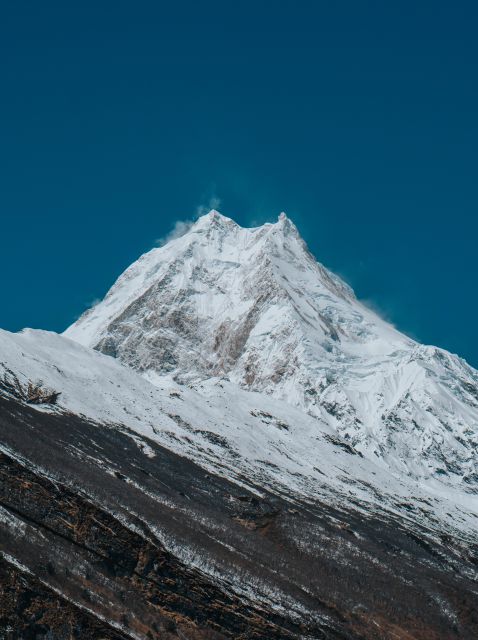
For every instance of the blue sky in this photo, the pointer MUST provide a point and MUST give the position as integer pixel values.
(359, 119)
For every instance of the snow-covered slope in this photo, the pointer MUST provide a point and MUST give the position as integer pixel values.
(248, 437)
(255, 307)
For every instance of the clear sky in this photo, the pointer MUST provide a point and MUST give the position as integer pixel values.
(359, 119)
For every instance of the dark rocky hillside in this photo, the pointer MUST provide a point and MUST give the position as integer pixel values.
(100, 540)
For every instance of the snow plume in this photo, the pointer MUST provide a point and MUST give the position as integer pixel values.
(214, 203)
(387, 312)
(180, 227)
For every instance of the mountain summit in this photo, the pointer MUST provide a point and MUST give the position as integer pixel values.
(253, 306)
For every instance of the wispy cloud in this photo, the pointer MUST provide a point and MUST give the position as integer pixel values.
(381, 310)
(213, 203)
(389, 313)
(179, 229)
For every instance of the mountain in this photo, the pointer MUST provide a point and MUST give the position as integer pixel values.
(255, 307)
(230, 445)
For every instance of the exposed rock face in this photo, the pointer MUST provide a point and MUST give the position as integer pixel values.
(254, 305)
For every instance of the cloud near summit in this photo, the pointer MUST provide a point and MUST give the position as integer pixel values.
(181, 227)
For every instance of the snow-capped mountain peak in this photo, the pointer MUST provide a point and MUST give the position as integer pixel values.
(254, 306)
(254, 414)
(213, 219)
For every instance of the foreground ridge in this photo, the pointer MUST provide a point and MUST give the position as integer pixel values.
(154, 546)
